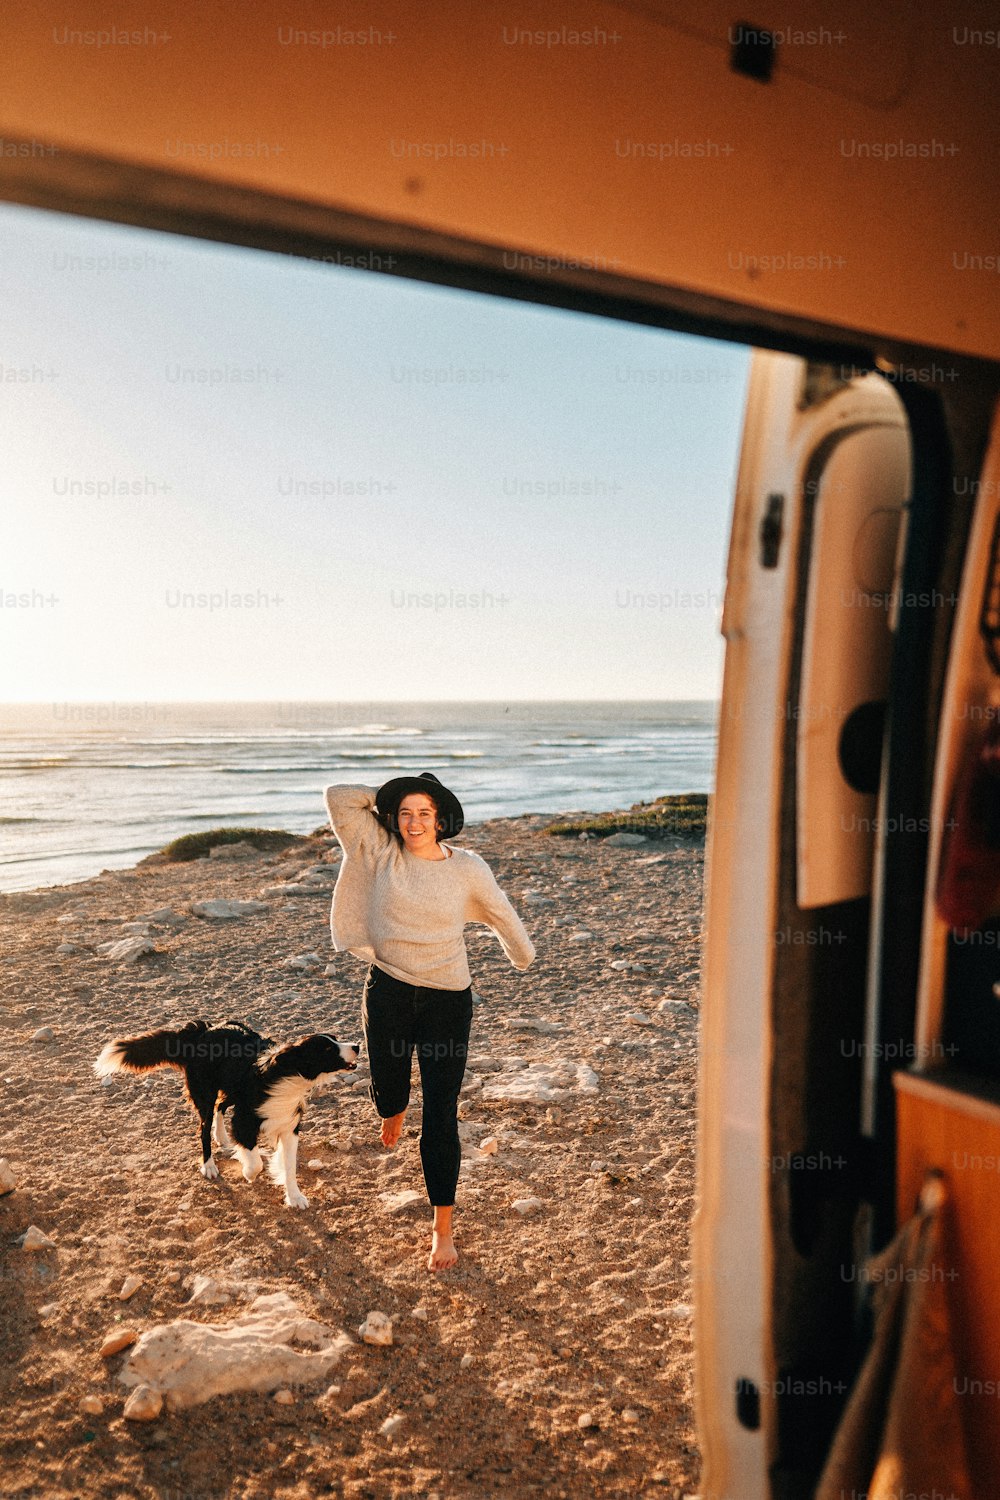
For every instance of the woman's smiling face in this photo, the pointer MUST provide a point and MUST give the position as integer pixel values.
(417, 818)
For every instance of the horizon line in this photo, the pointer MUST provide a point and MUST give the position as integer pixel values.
(326, 702)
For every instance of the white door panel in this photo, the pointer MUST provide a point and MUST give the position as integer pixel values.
(786, 444)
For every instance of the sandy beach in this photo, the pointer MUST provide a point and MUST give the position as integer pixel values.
(555, 1359)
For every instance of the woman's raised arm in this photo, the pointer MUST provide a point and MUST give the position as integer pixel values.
(353, 818)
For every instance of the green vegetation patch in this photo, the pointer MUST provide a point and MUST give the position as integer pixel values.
(195, 845)
(668, 817)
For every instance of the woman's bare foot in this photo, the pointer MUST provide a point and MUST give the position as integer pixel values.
(443, 1253)
(392, 1129)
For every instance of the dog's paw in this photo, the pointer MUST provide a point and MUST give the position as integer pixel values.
(296, 1199)
(209, 1170)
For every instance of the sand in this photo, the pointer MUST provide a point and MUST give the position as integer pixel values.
(577, 1316)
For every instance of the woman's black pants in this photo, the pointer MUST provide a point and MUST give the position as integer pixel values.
(398, 1020)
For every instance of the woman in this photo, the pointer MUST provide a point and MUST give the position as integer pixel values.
(401, 902)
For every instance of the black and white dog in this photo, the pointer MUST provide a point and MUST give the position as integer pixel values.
(266, 1085)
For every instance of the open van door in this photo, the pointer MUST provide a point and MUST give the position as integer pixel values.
(811, 597)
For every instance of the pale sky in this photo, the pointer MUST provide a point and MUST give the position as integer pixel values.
(413, 492)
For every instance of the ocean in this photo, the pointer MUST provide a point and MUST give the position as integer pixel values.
(88, 787)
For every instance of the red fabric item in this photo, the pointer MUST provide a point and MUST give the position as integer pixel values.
(968, 887)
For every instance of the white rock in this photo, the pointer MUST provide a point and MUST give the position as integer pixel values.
(314, 1164)
(144, 1404)
(466, 1361)
(303, 962)
(541, 1083)
(34, 1239)
(91, 1406)
(586, 1419)
(128, 950)
(637, 1018)
(43, 1034)
(527, 1205)
(535, 898)
(629, 1415)
(376, 1329)
(173, 1277)
(392, 1425)
(65, 949)
(626, 841)
(291, 888)
(419, 1312)
(191, 1362)
(136, 929)
(429, 1400)
(581, 937)
(393, 1203)
(8, 1181)
(489, 1146)
(543, 1028)
(225, 911)
(284, 1397)
(165, 916)
(129, 1287)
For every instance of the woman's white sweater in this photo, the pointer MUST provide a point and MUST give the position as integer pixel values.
(408, 914)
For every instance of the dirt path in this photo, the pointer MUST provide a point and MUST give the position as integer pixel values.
(576, 1315)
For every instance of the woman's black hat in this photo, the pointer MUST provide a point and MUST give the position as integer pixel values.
(389, 796)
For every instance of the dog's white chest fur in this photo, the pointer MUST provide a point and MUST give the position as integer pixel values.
(280, 1111)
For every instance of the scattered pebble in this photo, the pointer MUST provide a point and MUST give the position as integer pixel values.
(8, 1180)
(284, 1397)
(91, 1406)
(117, 1340)
(127, 950)
(586, 1419)
(392, 1425)
(207, 1292)
(376, 1329)
(489, 1146)
(429, 1400)
(527, 1205)
(43, 1034)
(226, 911)
(34, 1239)
(144, 1405)
(129, 1287)
(303, 963)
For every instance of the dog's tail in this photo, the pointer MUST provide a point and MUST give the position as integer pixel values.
(169, 1048)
